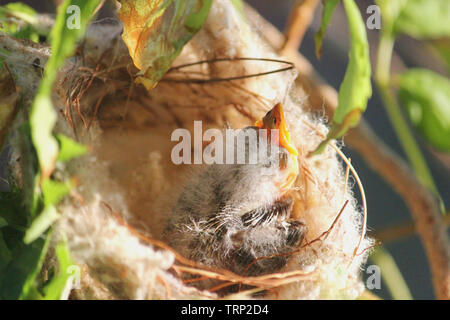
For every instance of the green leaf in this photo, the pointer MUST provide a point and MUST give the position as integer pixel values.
(27, 33)
(29, 290)
(392, 277)
(56, 287)
(356, 87)
(327, 14)
(424, 19)
(19, 276)
(69, 148)
(40, 224)
(42, 121)
(19, 10)
(426, 98)
(43, 115)
(23, 12)
(390, 10)
(155, 31)
(54, 191)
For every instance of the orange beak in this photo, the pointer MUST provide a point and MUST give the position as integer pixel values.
(274, 119)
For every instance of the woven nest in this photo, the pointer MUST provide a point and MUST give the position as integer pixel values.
(127, 184)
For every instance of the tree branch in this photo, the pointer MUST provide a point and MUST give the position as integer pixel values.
(298, 22)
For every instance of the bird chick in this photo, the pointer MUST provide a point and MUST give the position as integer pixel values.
(228, 215)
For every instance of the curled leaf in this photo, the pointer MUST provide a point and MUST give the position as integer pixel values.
(41, 224)
(356, 87)
(69, 148)
(155, 31)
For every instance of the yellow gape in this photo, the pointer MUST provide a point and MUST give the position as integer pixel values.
(274, 119)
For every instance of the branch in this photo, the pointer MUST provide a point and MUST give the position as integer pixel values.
(298, 22)
(403, 230)
(423, 205)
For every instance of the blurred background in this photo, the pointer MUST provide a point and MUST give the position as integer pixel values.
(385, 208)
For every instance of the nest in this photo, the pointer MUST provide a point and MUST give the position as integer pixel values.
(113, 220)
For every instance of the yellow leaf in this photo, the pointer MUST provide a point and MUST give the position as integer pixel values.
(155, 31)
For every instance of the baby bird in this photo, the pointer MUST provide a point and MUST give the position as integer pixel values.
(228, 215)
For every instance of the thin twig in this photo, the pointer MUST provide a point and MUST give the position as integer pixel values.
(325, 234)
(289, 64)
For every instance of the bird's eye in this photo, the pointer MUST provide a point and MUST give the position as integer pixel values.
(274, 121)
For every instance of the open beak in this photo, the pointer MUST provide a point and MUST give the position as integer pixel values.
(274, 119)
(285, 137)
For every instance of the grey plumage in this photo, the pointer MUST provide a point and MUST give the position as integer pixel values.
(229, 214)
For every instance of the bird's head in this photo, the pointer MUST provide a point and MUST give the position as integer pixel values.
(274, 119)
